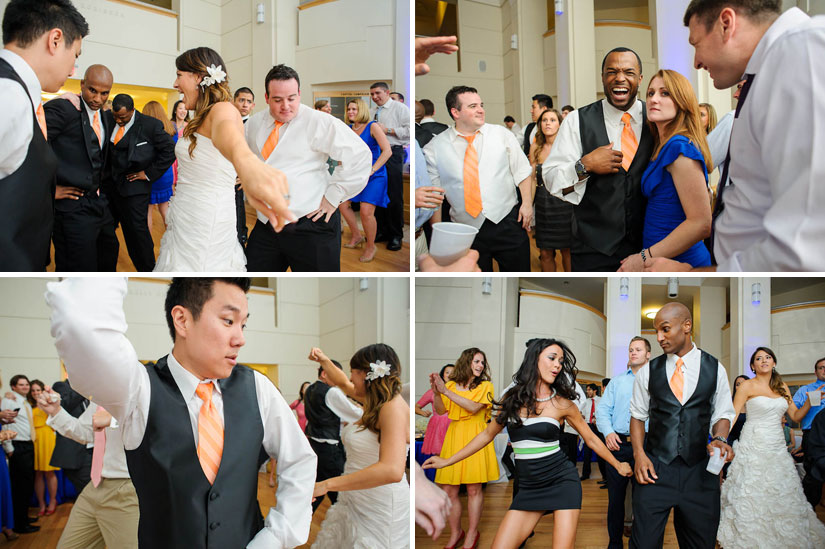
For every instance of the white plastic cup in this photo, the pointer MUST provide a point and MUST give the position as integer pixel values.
(716, 461)
(816, 397)
(451, 241)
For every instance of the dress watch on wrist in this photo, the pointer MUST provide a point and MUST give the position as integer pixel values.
(720, 438)
(580, 171)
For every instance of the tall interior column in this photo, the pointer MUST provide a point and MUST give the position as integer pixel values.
(623, 308)
(576, 68)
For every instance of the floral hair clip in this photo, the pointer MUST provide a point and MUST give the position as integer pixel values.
(216, 76)
(378, 369)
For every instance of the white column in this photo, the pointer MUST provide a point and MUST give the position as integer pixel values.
(624, 320)
(401, 74)
(531, 22)
(671, 49)
(576, 68)
(750, 321)
(709, 319)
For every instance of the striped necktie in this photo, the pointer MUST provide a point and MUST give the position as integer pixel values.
(272, 140)
(677, 380)
(472, 187)
(210, 433)
(629, 142)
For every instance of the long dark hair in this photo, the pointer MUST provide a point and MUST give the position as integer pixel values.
(381, 390)
(463, 371)
(174, 117)
(301, 390)
(776, 383)
(29, 396)
(196, 61)
(523, 393)
(443, 369)
(735, 380)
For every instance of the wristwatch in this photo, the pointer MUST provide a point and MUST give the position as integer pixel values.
(580, 171)
(720, 438)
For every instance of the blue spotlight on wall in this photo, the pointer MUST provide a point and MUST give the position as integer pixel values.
(624, 288)
(756, 293)
(559, 7)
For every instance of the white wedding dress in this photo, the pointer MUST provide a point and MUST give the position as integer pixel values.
(762, 500)
(376, 518)
(201, 234)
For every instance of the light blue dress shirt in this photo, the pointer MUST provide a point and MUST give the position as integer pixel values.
(422, 179)
(799, 399)
(613, 410)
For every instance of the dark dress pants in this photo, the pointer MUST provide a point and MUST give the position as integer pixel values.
(331, 459)
(583, 258)
(304, 246)
(80, 477)
(131, 212)
(84, 237)
(691, 492)
(616, 492)
(587, 455)
(391, 219)
(240, 216)
(506, 242)
(21, 473)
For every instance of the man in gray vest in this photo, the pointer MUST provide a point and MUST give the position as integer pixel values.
(597, 162)
(193, 423)
(685, 395)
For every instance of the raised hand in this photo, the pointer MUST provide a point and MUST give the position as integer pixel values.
(49, 401)
(425, 47)
(317, 355)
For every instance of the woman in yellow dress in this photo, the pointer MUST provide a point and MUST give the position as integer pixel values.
(43, 448)
(467, 398)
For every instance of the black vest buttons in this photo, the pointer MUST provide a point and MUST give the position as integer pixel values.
(214, 525)
(213, 496)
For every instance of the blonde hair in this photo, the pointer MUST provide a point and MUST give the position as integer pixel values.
(687, 121)
(711, 116)
(363, 114)
(381, 390)
(196, 61)
(155, 110)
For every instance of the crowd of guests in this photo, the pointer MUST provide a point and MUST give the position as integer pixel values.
(646, 467)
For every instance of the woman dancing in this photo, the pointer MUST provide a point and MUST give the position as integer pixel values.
(373, 507)
(763, 472)
(201, 233)
(533, 411)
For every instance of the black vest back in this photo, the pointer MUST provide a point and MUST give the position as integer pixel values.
(612, 209)
(27, 198)
(321, 421)
(178, 506)
(676, 429)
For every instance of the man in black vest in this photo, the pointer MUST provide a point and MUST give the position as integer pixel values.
(141, 152)
(41, 40)
(326, 407)
(244, 101)
(685, 395)
(73, 458)
(588, 167)
(428, 121)
(541, 102)
(84, 232)
(193, 423)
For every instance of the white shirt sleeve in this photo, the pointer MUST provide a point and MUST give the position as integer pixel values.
(16, 126)
(559, 170)
(640, 401)
(401, 122)
(79, 429)
(341, 406)
(519, 164)
(287, 524)
(719, 139)
(722, 401)
(332, 137)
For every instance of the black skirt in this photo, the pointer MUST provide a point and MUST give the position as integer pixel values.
(554, 218)
(547, 484)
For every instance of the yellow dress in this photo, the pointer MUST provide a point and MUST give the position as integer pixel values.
(481, 466)
(44, 443)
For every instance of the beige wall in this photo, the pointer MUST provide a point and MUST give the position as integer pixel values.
(798, 339)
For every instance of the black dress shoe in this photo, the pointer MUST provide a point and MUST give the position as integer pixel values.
(28, 529)
(381, 237)
(602, 482)
(394, 244)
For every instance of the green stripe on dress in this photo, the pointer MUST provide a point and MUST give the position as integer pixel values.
(535, 450)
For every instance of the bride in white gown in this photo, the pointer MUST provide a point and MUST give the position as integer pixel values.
(373, 507)
(201, 234)
(762, 503)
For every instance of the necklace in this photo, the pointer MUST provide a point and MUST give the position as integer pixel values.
(545, 399)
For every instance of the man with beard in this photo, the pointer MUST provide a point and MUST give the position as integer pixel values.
(597, 162)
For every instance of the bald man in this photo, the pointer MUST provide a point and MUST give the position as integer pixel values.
(685, 395)
(84, 230)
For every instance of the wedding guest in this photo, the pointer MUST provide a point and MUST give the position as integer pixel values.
(244, 101)
(554, 217)
(324, 106)
(84, 231)
(597, 162)
(802, 393)
(814, 462)
(567, 109)
(44, 473)
(439, 423)
(708, 116)
(588, 410)
(422, 135)
(163, 187)
(393, 119)
(374, 195)
(675, 183)
(485, 199)
(397, 96)
(719, 138)
(41, 43)
(180, 116)
(511, 124)
(189, 460)
(20, 452)
(74, 458)
(429, 122)
(299, 140)
(540, 103)
(299, 406)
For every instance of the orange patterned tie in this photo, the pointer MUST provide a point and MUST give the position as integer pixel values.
(119, 134)
(677, 380)
(41, 119)
(271, 141)
(96, 125)
(210, 433)
(472, 188)
(629, 142)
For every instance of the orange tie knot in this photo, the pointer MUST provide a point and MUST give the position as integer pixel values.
(204, 392)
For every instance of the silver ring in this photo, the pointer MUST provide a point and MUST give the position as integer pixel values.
(286, 197)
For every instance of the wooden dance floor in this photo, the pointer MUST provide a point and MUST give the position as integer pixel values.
(385, 260)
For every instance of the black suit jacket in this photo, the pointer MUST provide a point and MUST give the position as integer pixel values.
(526, 145)
(815, 454)
(145, 147)
(422, 135)
(82, 162)
(67, 453)
(434, 128)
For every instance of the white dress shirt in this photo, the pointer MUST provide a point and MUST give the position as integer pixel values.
(81, 429)
(99, 113)
(502, 165)
(341, 406)
(579, 402)
(590, 406)
(126, 128)
(89, 327)
(22, 426)
(16, 124)
(559, 170)
(395, 116)
(773, 218)
(719, 139)
(304, 145)
(721, 403)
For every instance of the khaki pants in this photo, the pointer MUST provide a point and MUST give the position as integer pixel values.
(105, 515)
(420, 248)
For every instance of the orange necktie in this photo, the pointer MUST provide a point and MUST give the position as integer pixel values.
(472, 188)
(271, 141)
(41, 119)
(629, 142)
(677, 380)
(96, 125)
(210, 433)
(119, 134)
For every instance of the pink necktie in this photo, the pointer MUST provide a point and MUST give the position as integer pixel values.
(97, 456)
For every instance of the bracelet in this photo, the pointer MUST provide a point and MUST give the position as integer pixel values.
(643, 255)
(720, 439)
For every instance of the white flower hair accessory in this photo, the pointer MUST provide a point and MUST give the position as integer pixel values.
(216, 76)
(378, 369)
